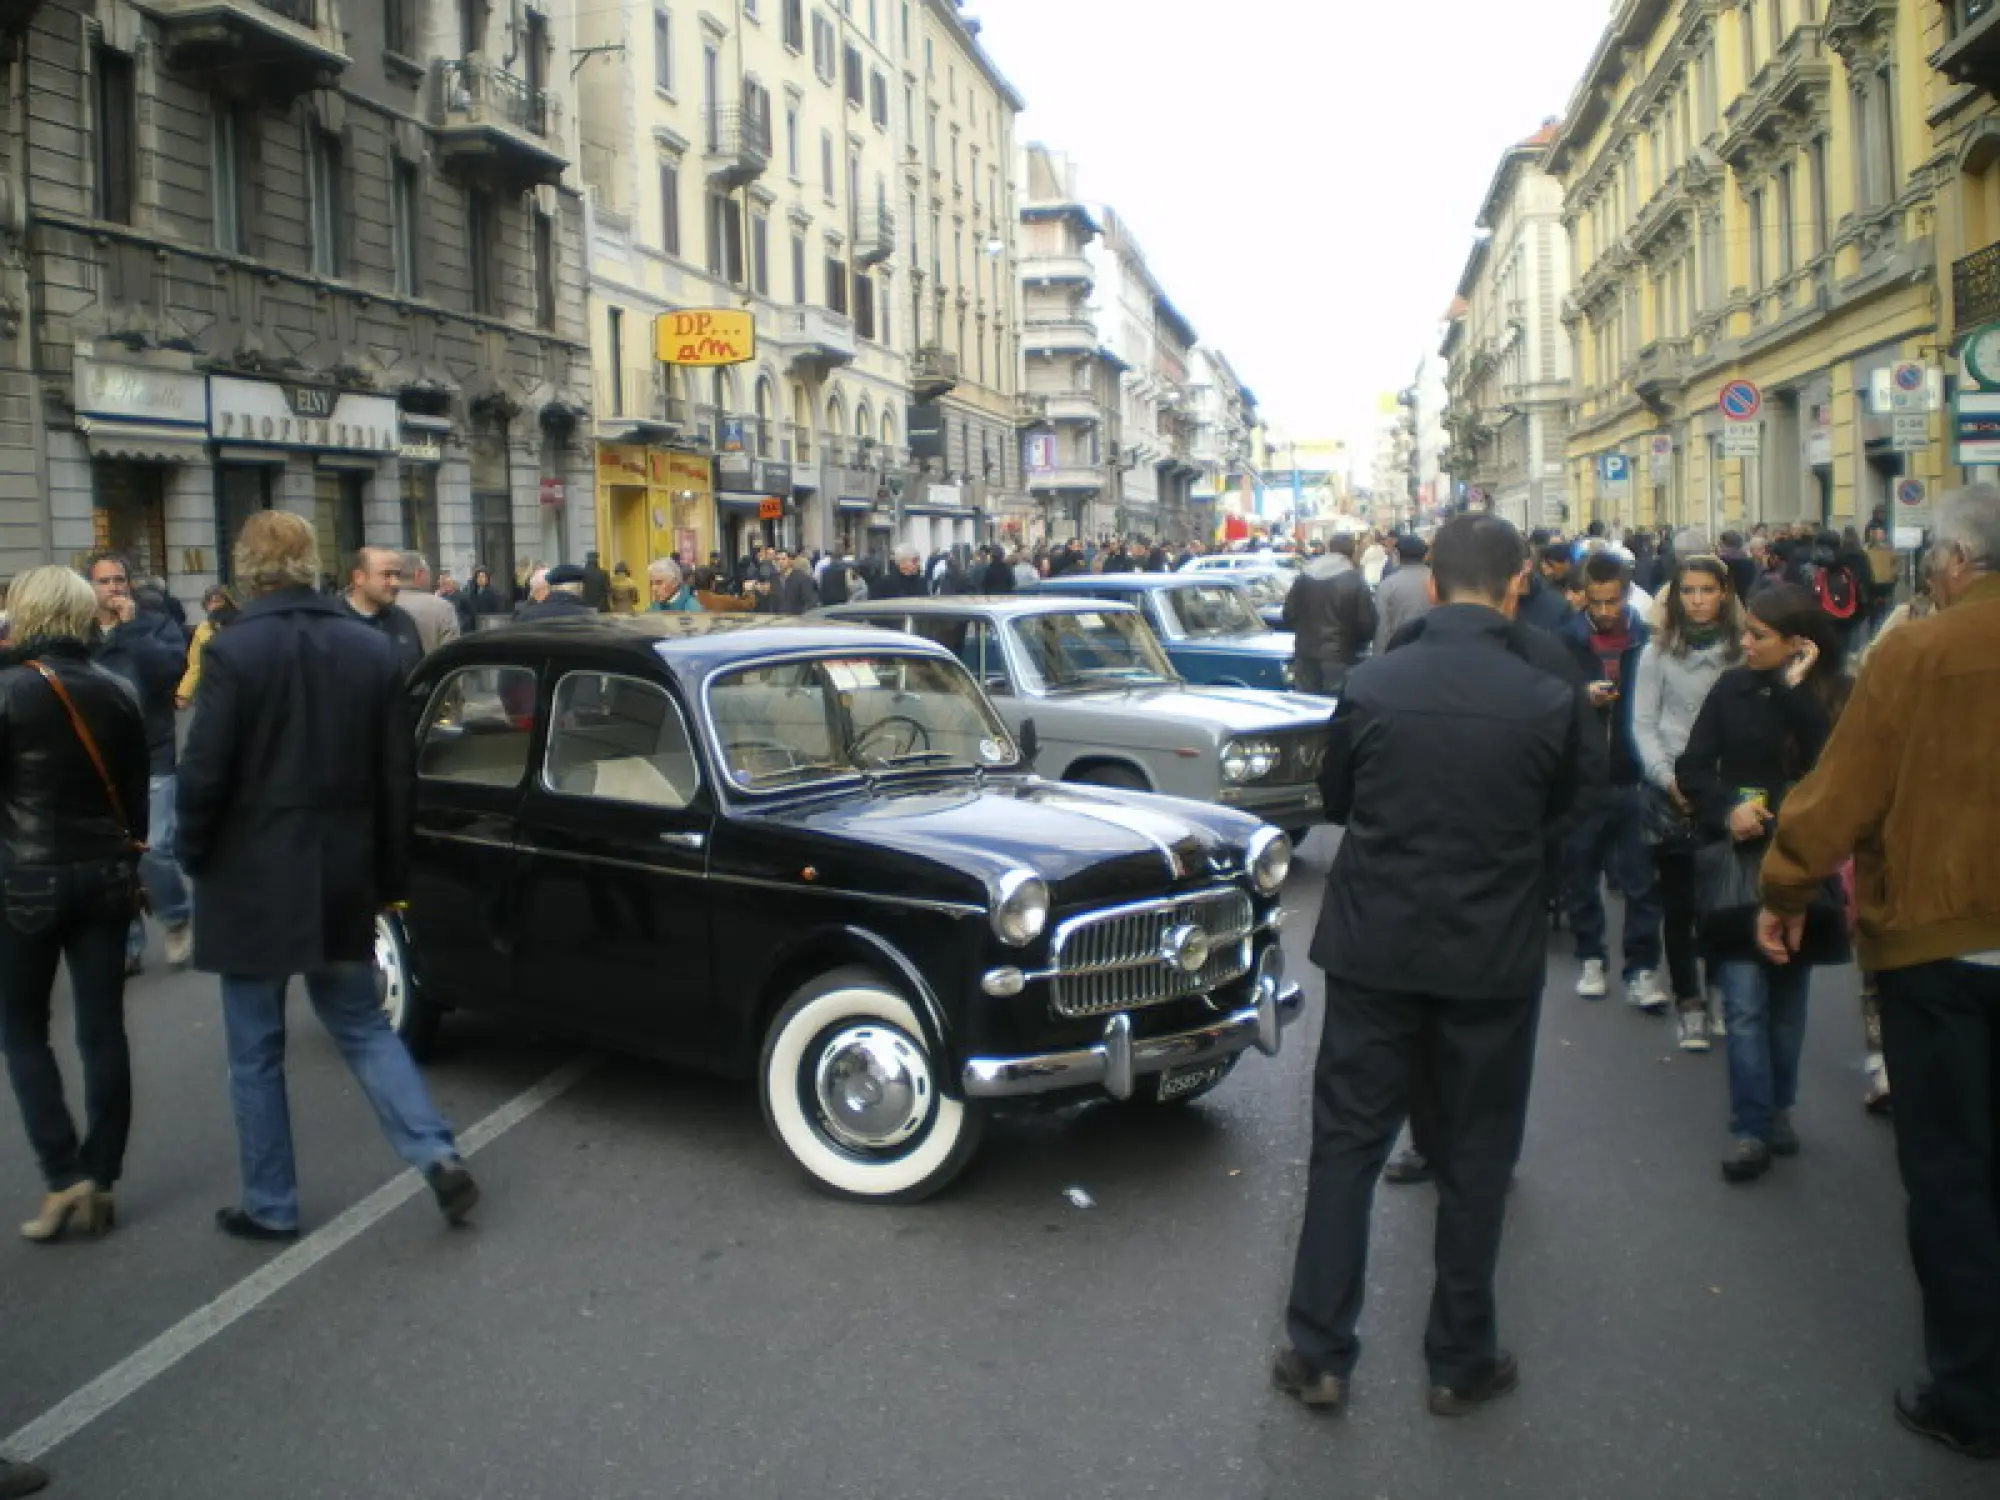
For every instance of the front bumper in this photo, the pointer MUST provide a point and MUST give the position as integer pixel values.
(1295, 805)
(1120, 1059)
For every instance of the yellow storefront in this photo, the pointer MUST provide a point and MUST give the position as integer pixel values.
(652, 502)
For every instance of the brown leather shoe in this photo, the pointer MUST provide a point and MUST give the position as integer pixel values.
(1469, 1395)
(1291, 1374)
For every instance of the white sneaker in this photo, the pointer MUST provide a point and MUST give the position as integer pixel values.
(1592, 984)
(1643, 990)
(180, 945)
(1693, 1031)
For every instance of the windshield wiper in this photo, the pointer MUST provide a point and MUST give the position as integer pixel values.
(912, 757)
(758, 778)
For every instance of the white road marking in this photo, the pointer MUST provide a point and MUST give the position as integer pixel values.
(133, 1373)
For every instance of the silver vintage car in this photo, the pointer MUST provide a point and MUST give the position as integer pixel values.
(1109, 709)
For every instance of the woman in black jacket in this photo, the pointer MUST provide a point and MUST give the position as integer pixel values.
(483, 598)
(1760, 730)
(67, 863)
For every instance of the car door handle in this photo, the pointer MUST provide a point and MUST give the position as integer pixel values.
(685, 840)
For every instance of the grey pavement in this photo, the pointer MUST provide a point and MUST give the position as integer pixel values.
(652, 1303)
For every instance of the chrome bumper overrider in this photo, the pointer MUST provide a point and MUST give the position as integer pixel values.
(1120, 1059)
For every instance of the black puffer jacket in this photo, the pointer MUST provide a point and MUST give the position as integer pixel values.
(53, 808)
(1332, 612)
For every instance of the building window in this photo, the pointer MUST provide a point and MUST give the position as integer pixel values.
(670, 206)
(323, 184)
(1787, 222)
(792, 140)
(825, 52)
(836, 283)
(228, 160)
(663, 52)
(760, 254)
(750, 10)
(795, 25)
(406, 192)
(851, 69)
(117, 137)
(725, 239)
(1747, 20)
(799, 269)
(482, 233)
(614, 344)
(878, 100)
(399, 27)
(1757, 241)
(1816, 167)
(826, 163)
(545, 270)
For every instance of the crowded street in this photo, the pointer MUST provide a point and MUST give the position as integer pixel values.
(652, 1303)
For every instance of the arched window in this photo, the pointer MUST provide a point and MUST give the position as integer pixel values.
(864, 421)
(888, 428)
(764, 401)
(836, 417)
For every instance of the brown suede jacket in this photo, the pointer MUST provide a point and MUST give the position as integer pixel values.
(1910, 785)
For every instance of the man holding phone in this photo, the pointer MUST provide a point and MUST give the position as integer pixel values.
(1606, 637)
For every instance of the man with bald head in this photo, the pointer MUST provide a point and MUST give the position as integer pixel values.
(374, 579)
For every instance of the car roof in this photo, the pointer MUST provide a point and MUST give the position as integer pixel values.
(692, 644)
(1129, 583)
(1006, 605)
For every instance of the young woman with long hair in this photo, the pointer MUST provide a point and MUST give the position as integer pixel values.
(1760, 731)
(1699, 639)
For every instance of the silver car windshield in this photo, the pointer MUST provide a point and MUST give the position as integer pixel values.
(793, 723)
(1087, 648)
(1209, 610)
(1266, 588)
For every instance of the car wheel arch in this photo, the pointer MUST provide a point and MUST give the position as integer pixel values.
(850, 946)
(1080, 769)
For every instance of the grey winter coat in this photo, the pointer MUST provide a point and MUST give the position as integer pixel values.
(1667, 700)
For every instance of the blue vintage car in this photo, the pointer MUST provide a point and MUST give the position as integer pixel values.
(1208, 622)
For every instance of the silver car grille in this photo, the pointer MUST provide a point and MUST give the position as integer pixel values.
(1112, 960)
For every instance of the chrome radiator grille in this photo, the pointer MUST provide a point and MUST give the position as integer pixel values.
(1112, 960)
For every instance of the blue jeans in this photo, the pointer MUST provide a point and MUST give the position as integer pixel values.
(343, 996)
(1609, 838)
(1765, 1007)
(159, 866)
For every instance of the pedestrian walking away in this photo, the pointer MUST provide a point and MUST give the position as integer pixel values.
(1404, 594)
(73, 791)
(1762, 726)
(1909, 786)
(1333, 616)
(1446, 761)
(292, 865)
(436, 617)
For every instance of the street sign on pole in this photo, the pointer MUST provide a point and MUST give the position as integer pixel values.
(1910, 431)
(1976, 428)
(1615, 469)
(1905, 386)
(1743, 440)
(1741, 401)
(1913, 514)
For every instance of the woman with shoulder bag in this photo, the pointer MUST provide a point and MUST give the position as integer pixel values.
(1698, 640)
(73, 785)
(1761, 730)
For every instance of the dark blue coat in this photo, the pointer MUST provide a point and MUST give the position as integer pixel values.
(1621, 747)
(150, 653)
(296, 789)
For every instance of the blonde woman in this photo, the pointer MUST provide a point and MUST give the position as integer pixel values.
(68, 858)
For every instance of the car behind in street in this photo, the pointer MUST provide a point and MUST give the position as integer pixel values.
(1207, 621)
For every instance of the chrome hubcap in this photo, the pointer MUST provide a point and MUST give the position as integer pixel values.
(873, 1087)
(388, 974)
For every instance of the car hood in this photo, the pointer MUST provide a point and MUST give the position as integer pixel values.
(1233, 710)
(1092, 845)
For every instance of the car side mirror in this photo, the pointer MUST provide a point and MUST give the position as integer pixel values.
(1030, 740)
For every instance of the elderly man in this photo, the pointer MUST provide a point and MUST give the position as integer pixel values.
(436, 617)
(904, 578)
(669, 590)
(1910, 786)
(562, 597)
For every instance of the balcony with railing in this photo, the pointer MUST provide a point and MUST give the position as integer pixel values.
(1073, 269)
(1073, 407)
(816, 338)
(736, 144)
(496, 126)
(875, 235)
(1045, 335)
(933, 372)
(1797, 76)
(280, 47)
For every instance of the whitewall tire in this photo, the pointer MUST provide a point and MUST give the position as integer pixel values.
(851, 1091)
(412, 1020)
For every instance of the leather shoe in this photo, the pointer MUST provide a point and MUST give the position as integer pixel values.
(236, 1223)
(457, 1194)
(18, 1477)
(1918, 1412)
(1291, 1374)
(1469, 1395)
(1407, 1167)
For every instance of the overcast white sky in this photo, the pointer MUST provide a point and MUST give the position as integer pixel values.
(1303, 174)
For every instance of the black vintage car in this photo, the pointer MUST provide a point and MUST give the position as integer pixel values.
(814, 855)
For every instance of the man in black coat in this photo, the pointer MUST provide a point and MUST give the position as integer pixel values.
(374, 583)
(1331, 610)
(596, 584)
(562, 600)
(296, 807)
(1447, 761)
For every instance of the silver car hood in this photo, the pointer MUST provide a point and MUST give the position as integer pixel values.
(1235, 710)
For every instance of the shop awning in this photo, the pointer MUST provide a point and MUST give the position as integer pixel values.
(148, 442)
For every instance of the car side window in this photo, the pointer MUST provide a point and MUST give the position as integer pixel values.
(620, 739)
(477, 727)
(972, 642)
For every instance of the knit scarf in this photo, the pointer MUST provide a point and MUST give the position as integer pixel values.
(1701, 637)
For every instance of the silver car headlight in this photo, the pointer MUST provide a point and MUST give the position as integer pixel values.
(1263, 758)
(1269, 860)
(1020, 908)
(1236, 762)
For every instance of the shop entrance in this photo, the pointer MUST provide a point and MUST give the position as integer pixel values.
(129, 514)
(339, 500)
(493, 507)
(241, 490)
(629, 529)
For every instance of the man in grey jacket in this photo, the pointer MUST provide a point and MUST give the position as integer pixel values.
(1333, 616)
(1405, 593)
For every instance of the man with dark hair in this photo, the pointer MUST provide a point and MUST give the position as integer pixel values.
(1742, 566)
(1606, 638)
(1544, 604)
(1446, 760)
(374, 580)
(1405, 594)
(1331, 611)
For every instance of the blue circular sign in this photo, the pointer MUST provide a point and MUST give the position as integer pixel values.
(1741, 400)
(1909, 377)
(1910, 492)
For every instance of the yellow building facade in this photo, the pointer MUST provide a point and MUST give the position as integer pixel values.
(1962, 40)
(1752, 193)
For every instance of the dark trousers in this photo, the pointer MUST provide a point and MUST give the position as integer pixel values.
(1677, 921)
(78, 912)
(1941, 1039)
(1609, 839)
(1474, 1059)
(1323, 679)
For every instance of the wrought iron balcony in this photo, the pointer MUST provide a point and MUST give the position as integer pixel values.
(276, 48)
(737, 145)
(817, 338)
(933, 373)
(875, 236)
(495, 126)
(1975, 289)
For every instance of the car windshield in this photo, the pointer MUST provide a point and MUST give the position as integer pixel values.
(1208, 610)
(798, 722)
(1088, 648)
(1266, 588)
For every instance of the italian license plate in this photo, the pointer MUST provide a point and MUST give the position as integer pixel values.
(1182, 1081)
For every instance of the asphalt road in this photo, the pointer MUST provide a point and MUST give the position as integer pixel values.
(652, 1304)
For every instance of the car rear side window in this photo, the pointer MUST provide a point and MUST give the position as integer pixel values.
(620, 739)
(478, 726)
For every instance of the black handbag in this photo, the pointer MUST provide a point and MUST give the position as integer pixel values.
(1728, 892)
(1662, 824)
(1725, 879)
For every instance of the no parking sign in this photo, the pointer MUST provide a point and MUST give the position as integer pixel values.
(1913, 514)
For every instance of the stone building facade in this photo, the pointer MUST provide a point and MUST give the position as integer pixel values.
(320, 255)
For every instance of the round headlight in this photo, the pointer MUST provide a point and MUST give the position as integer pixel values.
(1020, 908)
(1263, 759)
(1235, 762)
(1269, 860)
